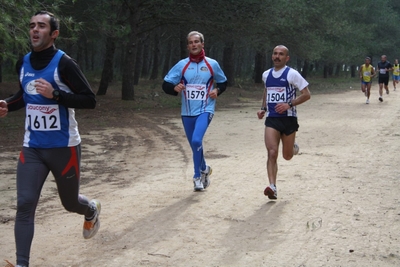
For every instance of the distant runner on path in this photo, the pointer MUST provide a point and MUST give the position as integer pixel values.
(383, 69)
(366, 72)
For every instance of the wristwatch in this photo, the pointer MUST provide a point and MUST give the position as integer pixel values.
(56, 95)
(290, 103)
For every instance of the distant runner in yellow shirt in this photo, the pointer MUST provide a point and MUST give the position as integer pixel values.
(367, 72)
(396, 73)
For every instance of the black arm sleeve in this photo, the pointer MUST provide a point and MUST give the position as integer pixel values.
(222, 87)
(83, 97)
(16, 101)
(168, 88)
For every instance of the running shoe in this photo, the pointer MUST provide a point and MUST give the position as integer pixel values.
(387, 91)
(271, 192)
(91, 227)
(9, 264)
(367, 102)
(198, 185)
(296, 149)
(205, 176)
(380, 99)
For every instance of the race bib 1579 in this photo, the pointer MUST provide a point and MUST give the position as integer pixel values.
(196, 91)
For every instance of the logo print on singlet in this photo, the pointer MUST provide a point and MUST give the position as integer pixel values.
(278, 89)
(42, 109)
(197, 86)
(30, 88)
(28, 74)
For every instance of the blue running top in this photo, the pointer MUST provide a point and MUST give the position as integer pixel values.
(48, 124)
(199, 80)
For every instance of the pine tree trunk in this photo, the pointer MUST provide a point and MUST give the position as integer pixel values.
(167, 60)
(138, 62)
(353, 70)
(129, 61)
(228, 63)
(107, 73)
(260, 62)
(156, 56)
(306, 67)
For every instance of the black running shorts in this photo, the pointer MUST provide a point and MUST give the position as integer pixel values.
(284, 125)
(384, 80)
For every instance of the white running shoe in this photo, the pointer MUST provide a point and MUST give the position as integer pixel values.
(91, 227)
(205, 176)
(271, 192)
(198, 185)
(9, 264)
(296, 149)
(367, 102)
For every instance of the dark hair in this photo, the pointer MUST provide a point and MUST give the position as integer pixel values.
(54, 22)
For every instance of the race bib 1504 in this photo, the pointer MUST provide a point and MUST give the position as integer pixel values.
(276, 94)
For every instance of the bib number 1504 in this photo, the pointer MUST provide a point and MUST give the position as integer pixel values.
(276, 97)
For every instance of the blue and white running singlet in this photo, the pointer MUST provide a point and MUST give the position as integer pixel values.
(281, 87)
(199, 80)
(47, 124)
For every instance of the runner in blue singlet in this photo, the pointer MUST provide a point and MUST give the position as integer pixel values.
(200, 80)
(51, 86)
(279, 106)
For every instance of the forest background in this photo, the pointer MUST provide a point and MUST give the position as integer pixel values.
(122, 43)
(332, 211)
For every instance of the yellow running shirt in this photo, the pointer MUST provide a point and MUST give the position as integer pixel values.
(396, 69)
(366, 73)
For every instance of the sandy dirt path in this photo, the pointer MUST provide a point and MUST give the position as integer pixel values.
(338, 200)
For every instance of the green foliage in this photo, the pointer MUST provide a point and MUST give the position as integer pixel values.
(14, 21)
(326, 31)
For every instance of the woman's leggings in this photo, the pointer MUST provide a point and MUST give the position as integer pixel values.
(195, 129)
(33, 168)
